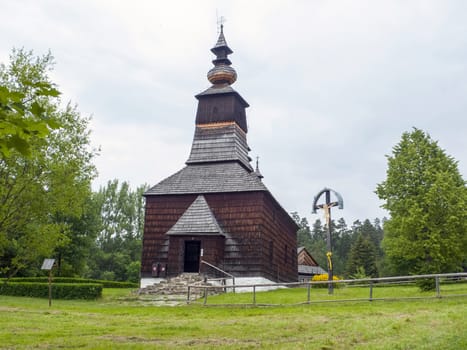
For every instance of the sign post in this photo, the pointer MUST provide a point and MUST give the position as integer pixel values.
(48, 265)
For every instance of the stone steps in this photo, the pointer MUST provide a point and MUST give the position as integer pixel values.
(176, 288)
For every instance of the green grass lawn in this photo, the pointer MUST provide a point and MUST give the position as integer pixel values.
(121, 321)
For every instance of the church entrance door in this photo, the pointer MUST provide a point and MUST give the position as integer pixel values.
(192, 253)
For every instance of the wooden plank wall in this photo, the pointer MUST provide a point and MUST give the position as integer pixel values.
(162, 212)
(213, 251)
(260, 236)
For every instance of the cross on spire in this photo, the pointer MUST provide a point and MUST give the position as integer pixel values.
(220, 24)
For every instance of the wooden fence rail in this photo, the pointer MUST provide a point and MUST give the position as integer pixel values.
(371, 283)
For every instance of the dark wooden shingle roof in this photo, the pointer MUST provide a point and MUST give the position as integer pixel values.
(310, 270)
(222, 90)
(209, 178)
(219, 142)
(198, 219)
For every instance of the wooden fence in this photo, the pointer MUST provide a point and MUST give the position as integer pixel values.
(371, 285)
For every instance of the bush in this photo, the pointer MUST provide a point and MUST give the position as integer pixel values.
(105, 284)
(116, 284)
(107, 275)
(133, 271)
(324, 277)
(359, 274)
(426, 284)
(59, 290)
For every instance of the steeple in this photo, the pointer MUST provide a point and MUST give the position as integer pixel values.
(221, 127)
(222, 73)
(221, 103)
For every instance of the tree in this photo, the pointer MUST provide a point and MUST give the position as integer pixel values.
(362, 257)
(318, 246)
(342, 240)
(426, 197)
(117, 254)
(41, 194)
(22, 113)
(304, 232)
(76, 249)
(377, 236)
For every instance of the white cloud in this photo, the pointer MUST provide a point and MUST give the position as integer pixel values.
(332, 85)
(138, 152)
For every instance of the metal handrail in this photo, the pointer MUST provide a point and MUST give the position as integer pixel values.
(222, 271)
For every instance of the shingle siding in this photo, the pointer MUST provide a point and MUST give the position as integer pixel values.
(218, 143)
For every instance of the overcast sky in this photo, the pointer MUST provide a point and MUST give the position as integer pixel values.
(332, 85)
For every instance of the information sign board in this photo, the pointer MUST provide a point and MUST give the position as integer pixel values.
(48, 264)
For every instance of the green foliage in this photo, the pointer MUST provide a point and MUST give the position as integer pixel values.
(59, 290)
(362, 254)
(343, 239)
(359, 274)
(75, 251)
(133, 271)
(63, 280)
(41, 194)
(303, 233)
(23, 113)
(426, 197)
(117, 252)
(116, 284)
(426, 285)
(122, 212)
(318, 247)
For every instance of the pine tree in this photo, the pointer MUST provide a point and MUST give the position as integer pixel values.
(318, 246)
(304, 232)
(342, 241)
(362, 255)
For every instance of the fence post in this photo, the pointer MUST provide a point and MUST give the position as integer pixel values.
(308, 293)
(205, 295)
(371, 291)
(188, 296)
(254, 294)
(50, 287)
(438, 292)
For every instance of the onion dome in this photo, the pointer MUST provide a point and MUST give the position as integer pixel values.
(222, 73)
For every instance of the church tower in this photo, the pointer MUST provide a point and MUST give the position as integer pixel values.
(217, 208)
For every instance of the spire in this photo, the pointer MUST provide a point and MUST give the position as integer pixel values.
(222, 73)
(220, 103)
(257, 172)
(221, 41)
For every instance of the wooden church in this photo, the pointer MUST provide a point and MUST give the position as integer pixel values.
(217, 209)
